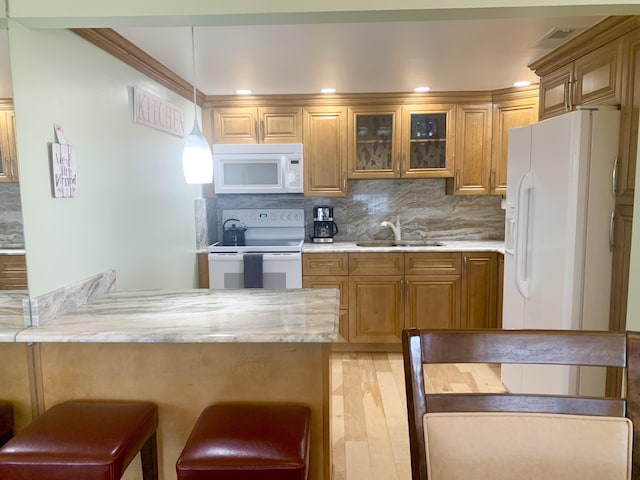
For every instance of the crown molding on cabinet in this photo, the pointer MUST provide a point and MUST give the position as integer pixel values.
(600, 34)
(115, 44)
(112, 42)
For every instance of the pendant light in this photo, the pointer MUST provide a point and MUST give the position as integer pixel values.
(197, 161)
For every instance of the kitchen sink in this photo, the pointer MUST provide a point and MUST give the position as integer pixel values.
(401, 243)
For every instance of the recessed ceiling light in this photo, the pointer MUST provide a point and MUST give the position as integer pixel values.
(522, 83)
(421, 89)
(328, 90)
(243, 91)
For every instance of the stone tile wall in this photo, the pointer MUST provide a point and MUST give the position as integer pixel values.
(11, 228)
(425, 211)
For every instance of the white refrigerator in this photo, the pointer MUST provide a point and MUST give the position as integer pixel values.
(558, 235)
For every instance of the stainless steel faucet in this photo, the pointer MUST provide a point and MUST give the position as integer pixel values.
(397, 233)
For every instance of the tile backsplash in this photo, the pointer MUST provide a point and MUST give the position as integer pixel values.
(425, 211)
(11, 228)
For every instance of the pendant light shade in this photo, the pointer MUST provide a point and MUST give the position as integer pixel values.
(197, 161)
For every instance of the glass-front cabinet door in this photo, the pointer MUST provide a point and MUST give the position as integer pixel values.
(427, 141)
(374, 142)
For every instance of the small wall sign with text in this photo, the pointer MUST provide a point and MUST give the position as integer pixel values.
(64, 172)
(155, 112)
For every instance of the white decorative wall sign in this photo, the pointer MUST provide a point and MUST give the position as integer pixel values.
(155, 112)
(64, 175)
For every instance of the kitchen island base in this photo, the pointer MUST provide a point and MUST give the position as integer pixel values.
(16, 381)
(184, 378)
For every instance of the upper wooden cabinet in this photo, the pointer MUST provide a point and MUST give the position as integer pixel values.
(591, 79)
(8, 158)
(472, 150)
(427, 141)
(257, 125)
(461, 137)
(585, 71)
(629, 120)
(325, 151)
(374, 141)
(482, 134)
(510, 110)
(392, 141)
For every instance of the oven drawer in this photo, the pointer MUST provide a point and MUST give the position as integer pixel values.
(280, 270)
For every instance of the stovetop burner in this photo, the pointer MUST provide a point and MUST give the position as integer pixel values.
(268, 230)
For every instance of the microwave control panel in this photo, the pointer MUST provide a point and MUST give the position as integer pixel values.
(294, 175)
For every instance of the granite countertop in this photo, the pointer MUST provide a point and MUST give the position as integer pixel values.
(449, 246)
(12, 251)
(197, 316)
(11, 313)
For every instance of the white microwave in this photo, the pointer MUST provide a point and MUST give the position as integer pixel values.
(258, 168)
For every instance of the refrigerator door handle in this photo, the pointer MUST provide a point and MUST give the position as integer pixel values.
(614, 177)
(611, 231)
(522, 242)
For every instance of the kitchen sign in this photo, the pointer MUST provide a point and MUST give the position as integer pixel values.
(155, 112)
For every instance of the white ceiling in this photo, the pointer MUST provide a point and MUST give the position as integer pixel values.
(449, 55)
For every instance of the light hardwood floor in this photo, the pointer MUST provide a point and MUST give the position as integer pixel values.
(369, 432)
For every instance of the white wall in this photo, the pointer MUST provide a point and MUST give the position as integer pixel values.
(133, 211)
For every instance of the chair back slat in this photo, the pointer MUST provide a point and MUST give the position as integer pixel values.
(527, 347)
(481, 402)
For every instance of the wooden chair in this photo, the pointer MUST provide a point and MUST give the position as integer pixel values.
(472, 415)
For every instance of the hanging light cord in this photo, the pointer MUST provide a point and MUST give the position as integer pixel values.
(193, 57)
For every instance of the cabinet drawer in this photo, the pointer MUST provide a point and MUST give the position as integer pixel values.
(328, 281)
(325, 264)
(376, 264)
(433, 263)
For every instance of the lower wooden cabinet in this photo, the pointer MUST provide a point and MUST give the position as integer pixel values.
(479, 290)
(376, 308)
(342, 284)
(203, 270)
(321, 270)
(13, 272)
(434, 283)
(383, 293)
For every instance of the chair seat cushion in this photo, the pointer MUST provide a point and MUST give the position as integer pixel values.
(79, 440)
(500, 446)
(244, 441)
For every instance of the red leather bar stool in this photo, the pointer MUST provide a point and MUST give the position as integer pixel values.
(83, 440)
(247, 441)
(6, 422)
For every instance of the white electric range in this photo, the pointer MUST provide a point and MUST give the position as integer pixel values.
(271, 256)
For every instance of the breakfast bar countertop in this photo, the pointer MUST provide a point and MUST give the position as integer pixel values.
(11, 314)
(197, 316)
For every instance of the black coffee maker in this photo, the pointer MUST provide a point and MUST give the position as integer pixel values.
(324, 227)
